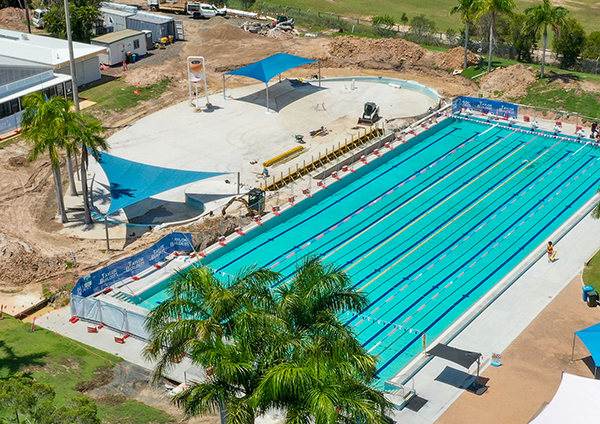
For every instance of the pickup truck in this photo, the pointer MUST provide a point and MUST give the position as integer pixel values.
(196, 9)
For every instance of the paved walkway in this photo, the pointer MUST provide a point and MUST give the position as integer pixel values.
(497, 326)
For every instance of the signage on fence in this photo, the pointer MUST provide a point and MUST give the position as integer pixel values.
(128, 267)
(501, 109)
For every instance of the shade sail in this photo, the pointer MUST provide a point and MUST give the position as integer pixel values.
(266, 69)
(459, 356)
(131, 182)
(591, 339)
(574, 402)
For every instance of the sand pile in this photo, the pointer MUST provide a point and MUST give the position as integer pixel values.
(21, 264)
(507, 83)
(455, 59)
(12, 15)
(389, 50)
(226, 32)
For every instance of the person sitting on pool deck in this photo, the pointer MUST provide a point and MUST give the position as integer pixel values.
(551, 252)
(594, 133)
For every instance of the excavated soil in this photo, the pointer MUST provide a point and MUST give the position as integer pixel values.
(395, 51)
(507, 83)
(455, 59)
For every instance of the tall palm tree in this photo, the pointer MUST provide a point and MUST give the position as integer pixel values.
(265, 348)
(88, 137)
(495, 8)
(48, 125)
(540, 17)
(468, 10)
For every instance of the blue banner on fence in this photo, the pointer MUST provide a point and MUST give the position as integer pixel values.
(502, 109)
(128, 267)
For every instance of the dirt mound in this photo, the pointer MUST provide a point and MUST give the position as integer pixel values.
(21, 264)
(507, 83)
(11, 15)
(226, 32)
(455, 58)
(389, 50)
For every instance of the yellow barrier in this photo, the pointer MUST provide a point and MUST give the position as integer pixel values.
(283, 156)
(316, 163)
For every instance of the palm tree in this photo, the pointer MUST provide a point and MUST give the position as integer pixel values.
(494, 8)
(47, 125)
(540, 16)
(285, 348)
(468, 10)
(88, 137)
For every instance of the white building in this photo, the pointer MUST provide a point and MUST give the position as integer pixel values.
(53, 53)
(19, 78)
(119, 44)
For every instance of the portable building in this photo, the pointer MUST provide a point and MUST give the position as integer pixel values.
(52, 52)
(115, 18)
(161, 26)
(119, 43)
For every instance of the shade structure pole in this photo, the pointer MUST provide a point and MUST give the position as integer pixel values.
(267, 86)
(106, 231)
(224, 98)
(573, 350)
(319, 74)
(238, 182)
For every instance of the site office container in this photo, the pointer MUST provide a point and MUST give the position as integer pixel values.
(120, 43)
(160, 26)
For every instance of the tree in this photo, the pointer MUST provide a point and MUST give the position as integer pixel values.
(264, 348)
(22, 400)
(469, 10)
(495, 8)
(540, 17)
(48, 125)
(383, 24)
(521, 37)
(569, 42)
(88, 136)
(421, 27)
(592, 46)
(84, 14)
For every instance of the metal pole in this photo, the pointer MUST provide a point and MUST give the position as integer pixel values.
(319, 74)
(224, 98)
(72, 57)
(106, 231)
(267, 86)
(27, 17)
(238, 182)
(573, 351)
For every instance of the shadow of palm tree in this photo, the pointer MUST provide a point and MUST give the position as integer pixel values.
(11, 363)
(553, 76)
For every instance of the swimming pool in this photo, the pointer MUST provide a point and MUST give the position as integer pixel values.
(431, 229)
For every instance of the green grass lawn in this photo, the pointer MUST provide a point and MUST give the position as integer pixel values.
(118, 95)
(49, 358)
(586, 11)
(591, 273)
(553, 95)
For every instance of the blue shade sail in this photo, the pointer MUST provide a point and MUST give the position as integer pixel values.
(266, 69)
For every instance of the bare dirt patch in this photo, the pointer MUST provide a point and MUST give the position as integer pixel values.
(507, 83)
(455, 58)
(388, 50)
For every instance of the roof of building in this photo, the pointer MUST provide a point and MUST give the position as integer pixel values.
(43, 50)
(116, 12)
(113, 37)
(13, 70)
(151, 18)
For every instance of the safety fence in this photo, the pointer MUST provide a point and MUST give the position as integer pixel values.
(129, 267)
(322, 160)
(122, 320)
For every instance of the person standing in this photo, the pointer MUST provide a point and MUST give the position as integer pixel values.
(551, 252)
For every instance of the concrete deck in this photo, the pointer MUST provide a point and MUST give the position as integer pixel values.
(238, 135)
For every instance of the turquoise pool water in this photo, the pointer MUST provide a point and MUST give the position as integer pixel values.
(429, 231)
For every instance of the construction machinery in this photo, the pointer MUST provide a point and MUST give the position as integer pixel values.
(255, 203)
(370, 114)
